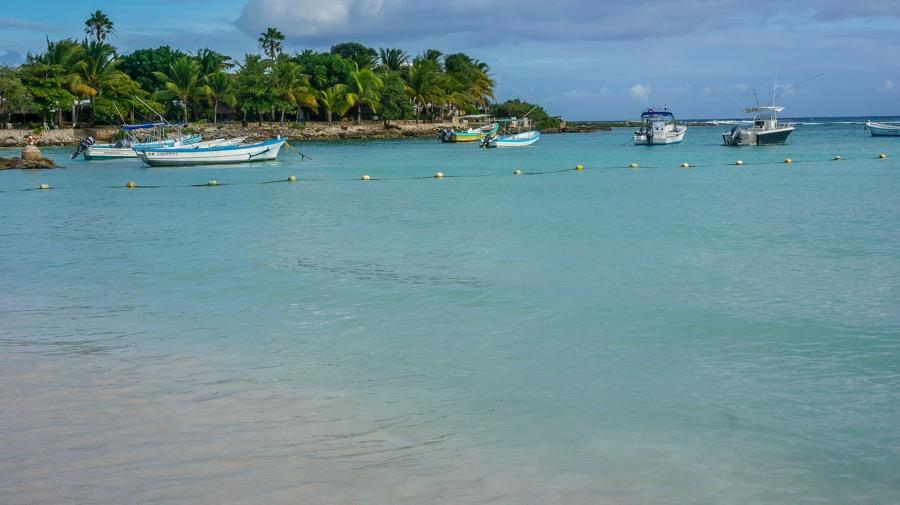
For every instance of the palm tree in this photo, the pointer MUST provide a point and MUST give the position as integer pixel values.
(364, 89)
(211, 61)
(334, 100)
(423, 84)
(270, 41)
(220, 89)
(291, 88)
(98, 26)
(53, 75)
(96, 68)
(432, 55)
(182, 82)
(393, 59)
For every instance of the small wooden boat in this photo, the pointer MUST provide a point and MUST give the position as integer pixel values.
(149, 135)
(883, 129)
(215, 155)
(472, 134)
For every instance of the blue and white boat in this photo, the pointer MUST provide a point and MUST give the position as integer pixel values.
(523, 139)
(883, 129)
(659, 128)
(214, 155)
(145, 135)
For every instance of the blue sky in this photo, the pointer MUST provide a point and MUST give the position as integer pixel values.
(583, 59)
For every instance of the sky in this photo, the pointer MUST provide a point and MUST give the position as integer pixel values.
(601, 59)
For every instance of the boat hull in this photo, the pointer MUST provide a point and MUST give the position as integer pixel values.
(883, 129)
(111, 152)
(752, 137)
(220, 155)
(674, 137)
(518, 140)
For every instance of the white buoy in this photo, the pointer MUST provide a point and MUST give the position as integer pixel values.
(882, 156)
(838, 158)
(44, 186)
(633, 165)
(439, 175)
(685, 165)
(579, 167)
(517, 172)
(212, 182)
(131, 184)
(788, 160)
(739, 162)
(292, 178)
(366, 178)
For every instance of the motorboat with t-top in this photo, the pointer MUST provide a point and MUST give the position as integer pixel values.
(766, 128)
(659, 128)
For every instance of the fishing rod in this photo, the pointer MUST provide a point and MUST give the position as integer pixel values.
(792, 86)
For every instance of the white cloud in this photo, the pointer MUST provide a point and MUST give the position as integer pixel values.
(640, 91)
(888, 85)
(309, 18)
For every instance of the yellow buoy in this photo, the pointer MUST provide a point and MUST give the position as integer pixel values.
(685, 165)
(882, 156)
(44, 186)
(366, 178)
(131, 184)
(838, 158)
(579, 167)
(633, 165)
(292, 178)
(788, 160)
(439, 175)
(212, 182)
(517, 172)
(739, 162)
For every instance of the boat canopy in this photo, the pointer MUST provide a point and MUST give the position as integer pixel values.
(656, 113)
(767, 108)
(147, 126)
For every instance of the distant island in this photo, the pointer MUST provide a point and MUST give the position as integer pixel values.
(88, 84)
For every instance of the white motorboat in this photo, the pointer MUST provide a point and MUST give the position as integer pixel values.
(883, 129)
(765, 130)
(659, 128)
(215, 155)
(523, 139)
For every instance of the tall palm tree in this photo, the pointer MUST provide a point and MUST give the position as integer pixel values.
(334, 100)
(291, 88)
(393, 59)
(270, 41)
(211, 61)
(423, 84)
(98, 25)
(182, 82)
(54, 76)
(221, 88)
(364, 89)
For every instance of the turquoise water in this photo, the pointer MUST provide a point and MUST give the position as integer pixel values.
(711, 335)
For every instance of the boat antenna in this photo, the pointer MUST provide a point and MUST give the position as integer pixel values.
(792, 86)
(756, 96)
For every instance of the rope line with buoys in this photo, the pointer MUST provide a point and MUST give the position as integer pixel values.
(442, 175)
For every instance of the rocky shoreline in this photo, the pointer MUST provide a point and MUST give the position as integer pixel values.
(14, 163)
(311, 131)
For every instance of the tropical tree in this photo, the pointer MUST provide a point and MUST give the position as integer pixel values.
(290, 87)
(393, 59)
(142, 65)
(270, 41)
(14, 96)
(220, 88)
(98, 26)
(183, 83)
(394, 102)
(432, 55)
(52, 79)
(96, 68)
(334, 100)
(324, 69)
(254, 86)
(364, 88)
(211, 61)
(361, 55)
(423, 84)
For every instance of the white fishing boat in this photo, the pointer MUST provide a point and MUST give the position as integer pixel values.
(149, 135)
(659, 128)
(766, 128)
(523, 139)
(215, 155)
(883, 129)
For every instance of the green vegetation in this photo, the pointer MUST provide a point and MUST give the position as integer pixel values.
(75, 81)
(517, 108)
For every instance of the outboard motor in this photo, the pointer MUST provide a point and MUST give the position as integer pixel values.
(735, 135)
(82, 147)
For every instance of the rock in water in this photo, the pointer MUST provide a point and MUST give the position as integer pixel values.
(31, 153)
(7, 163)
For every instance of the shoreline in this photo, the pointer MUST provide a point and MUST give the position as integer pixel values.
(370, 130)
